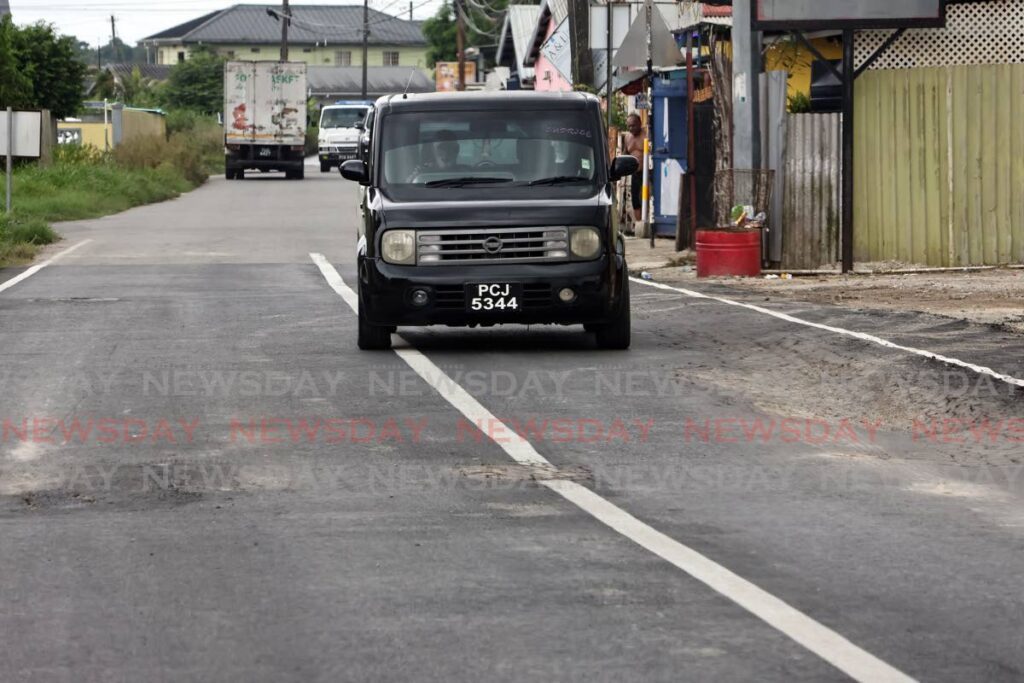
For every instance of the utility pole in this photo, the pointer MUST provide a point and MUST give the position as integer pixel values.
(745, 88)
(410, 10)
(366, 42)
(648, 19)
(609, 86)
(285, 20)
(849, 74)
(460, 42)
(113, 39)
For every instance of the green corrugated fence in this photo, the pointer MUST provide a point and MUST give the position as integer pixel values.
(939, 165)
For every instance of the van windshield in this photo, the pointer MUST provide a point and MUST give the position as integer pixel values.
(342, 118)
(518, 154)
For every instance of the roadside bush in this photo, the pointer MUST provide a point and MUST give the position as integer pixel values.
(186, 119)
(312, 146)
(20, 239)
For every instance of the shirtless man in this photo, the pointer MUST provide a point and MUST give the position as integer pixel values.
(635, 148)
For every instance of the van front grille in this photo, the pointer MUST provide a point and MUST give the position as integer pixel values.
(492, 245)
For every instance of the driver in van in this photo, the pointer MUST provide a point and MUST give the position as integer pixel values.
(446, 150)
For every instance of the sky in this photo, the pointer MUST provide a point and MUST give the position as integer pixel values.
(89, 20)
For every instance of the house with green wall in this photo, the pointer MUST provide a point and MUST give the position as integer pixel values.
(320, 35)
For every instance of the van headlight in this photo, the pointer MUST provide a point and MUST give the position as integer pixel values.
(399, 247)
(585, 242)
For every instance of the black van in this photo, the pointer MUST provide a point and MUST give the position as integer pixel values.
(489, 208)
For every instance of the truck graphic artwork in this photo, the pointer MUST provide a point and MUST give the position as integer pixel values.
(240, 121)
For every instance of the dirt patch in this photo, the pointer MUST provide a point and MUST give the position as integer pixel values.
(526, 473)
(990, 297)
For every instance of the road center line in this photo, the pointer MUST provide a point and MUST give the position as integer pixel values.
(7, 284)
(816, 637)
(980, 369)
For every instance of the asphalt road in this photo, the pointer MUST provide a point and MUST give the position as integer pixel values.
(203, 479)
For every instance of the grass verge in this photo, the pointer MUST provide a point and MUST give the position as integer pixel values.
(84, 183)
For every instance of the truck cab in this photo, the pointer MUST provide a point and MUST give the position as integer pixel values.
(490, 208)
(340, 129)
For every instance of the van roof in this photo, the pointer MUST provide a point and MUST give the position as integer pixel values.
(488, 99)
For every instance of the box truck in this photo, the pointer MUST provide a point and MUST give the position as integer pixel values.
(264, 118)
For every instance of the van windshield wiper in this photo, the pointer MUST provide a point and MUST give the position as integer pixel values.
(465, 180)
(559, 180)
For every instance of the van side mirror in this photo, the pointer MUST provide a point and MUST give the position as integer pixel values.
(359, 125)
(623, 166)
(355, 170)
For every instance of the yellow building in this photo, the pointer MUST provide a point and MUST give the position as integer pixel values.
(105, 130)
(789, 55)
(320, 35)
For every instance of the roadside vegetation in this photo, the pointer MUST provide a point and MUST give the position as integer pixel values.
(41, 70)
(85, 183)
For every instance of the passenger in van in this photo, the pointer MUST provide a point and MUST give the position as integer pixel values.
(536, 158)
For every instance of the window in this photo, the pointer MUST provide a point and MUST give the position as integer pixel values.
(230, 54)
(254, 49)
(343, 57)
(511, 154)
(342, 117)
(391, 57)
(307, 49)
(181, 57)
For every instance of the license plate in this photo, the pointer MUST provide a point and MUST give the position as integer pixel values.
(265, 152)
(491, 297)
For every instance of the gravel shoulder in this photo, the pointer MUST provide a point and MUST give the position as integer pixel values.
(988, 297)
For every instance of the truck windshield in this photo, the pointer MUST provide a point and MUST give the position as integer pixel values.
(342, 118)
(518, 154)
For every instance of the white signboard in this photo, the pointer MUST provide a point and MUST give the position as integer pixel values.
(28, 127)
(558, 50)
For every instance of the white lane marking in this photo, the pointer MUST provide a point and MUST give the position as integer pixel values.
(980, 369)
(335, 281)
(818, 638)
(7, 284)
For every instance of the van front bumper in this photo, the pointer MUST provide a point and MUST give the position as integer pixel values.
(385, 292)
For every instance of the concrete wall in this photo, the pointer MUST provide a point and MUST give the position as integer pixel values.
(124, 124)
(136, 124)
(96, 134)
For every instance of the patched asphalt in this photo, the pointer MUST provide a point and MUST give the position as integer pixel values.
(256, 499)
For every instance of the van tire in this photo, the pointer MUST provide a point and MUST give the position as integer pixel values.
(615, 334)
(325, 168)
(229, 173)
(373, 337)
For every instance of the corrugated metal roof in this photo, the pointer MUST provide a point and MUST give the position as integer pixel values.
(559, 10)
(183, 29)
(5, 7)
(520, 22)
(311, 24)
(347, 81)
(154, 72)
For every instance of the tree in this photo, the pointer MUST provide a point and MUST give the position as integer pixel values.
(15, 87)
(197, 83)
(133, 90)
(439, 30)
(48, 61)
(483, 23)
